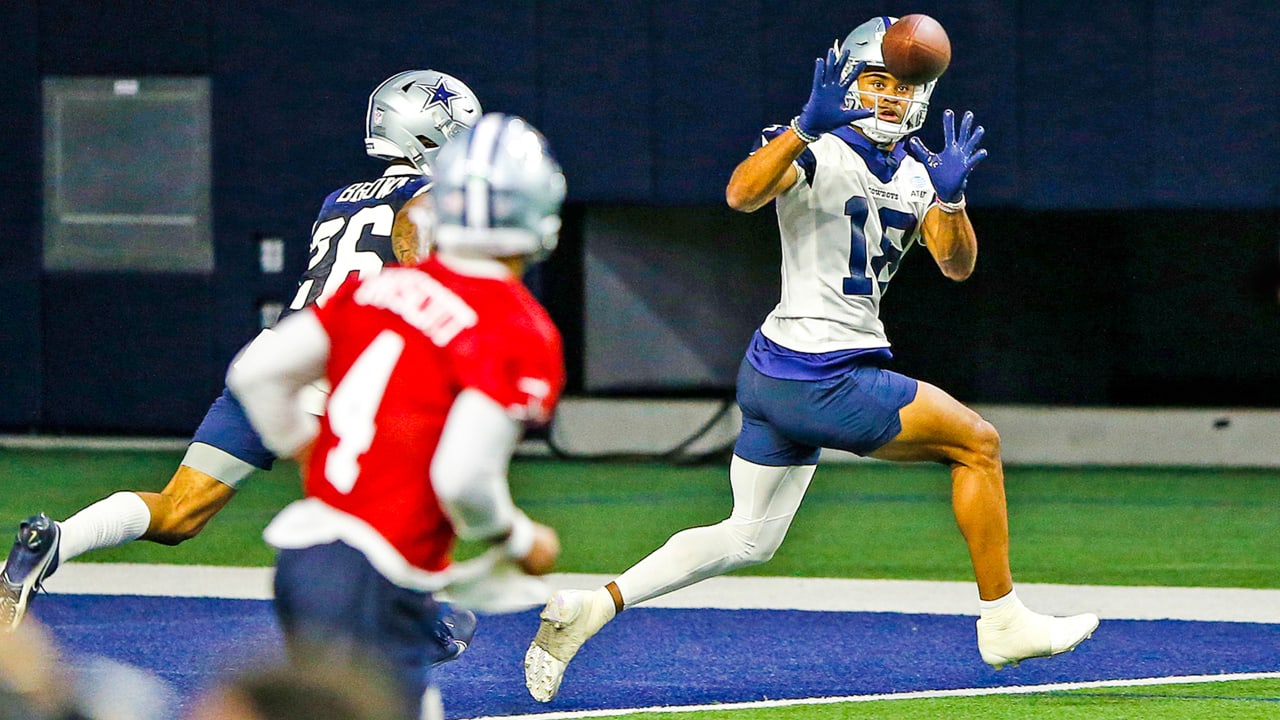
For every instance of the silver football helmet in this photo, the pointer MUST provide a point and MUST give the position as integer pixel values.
(863, 45)
(414, 113)
(498, 191)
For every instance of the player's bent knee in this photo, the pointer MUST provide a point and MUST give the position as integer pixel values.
(983, 445)
(754, 545)
(975, 444)
(723, 547)
(987, 440)
(756, 555)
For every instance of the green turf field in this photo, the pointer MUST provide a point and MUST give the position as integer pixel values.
(1215, 528)
(1243, 700)
(1180, 527)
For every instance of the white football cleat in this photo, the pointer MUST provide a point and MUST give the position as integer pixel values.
(1008, 638)
(569, 619)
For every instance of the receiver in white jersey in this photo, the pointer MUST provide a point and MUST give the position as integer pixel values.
(846, 223)
(814, 375)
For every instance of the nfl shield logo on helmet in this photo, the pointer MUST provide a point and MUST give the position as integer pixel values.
(377, 116)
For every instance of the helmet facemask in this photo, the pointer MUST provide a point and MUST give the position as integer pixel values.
(864, 46)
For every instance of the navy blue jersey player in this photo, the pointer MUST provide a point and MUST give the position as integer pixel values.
(361, 227)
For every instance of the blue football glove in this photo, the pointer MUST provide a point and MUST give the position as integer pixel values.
(825, 110)
(949, 169)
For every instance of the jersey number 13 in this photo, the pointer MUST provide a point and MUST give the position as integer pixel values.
(862, 273)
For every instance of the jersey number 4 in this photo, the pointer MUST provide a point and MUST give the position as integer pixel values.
(862, 274)
(353, 406)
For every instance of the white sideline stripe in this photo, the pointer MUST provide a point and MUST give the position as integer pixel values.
(741, 593)
(917, 695)
(526, 448)
(961, 598)
(53, 442)
(237, 583)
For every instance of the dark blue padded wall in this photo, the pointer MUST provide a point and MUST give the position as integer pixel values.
(128, 353)
(597, 96)
(121, 351)
(707, 99)
(651, 102)
(123, 37)
(1215, 90)
(20, 219)
(1085, 96)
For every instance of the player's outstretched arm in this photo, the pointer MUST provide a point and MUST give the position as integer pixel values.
(768, 172)
(469, 476)
(825, 110)
(948, 233)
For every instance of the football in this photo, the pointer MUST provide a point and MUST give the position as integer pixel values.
(916, 49)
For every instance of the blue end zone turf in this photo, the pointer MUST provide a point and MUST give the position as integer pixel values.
(652, 657)
(185, 641)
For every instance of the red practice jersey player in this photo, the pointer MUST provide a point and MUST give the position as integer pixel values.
(435, 369)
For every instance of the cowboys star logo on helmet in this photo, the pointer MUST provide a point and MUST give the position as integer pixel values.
(415, 113)
(438, 94)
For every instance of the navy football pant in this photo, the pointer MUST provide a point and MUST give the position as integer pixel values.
(226, 427)
(788, 422)
(331, 594)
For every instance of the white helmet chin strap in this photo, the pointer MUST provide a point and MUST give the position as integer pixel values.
(880, 131)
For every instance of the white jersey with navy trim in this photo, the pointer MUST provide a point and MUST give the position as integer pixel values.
(844, 226)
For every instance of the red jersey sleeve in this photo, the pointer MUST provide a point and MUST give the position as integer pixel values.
(325, 311)
(519, 364)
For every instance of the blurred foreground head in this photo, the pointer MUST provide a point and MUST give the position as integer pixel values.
(37, 682)
(498, 192)
(320, 682)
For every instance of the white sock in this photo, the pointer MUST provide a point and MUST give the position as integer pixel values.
(1002, 605)
(114, 520)
(432, 705)
(605, 599)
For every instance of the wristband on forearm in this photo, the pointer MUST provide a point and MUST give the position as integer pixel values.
(805, 137)
(950, 207)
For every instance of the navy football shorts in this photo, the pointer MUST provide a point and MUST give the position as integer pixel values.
(330, 593)
(788, 422)
(226, 427)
